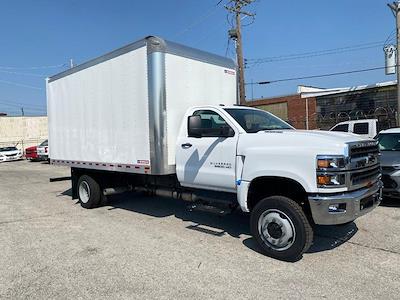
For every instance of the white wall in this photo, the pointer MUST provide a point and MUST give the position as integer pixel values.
(24, 131)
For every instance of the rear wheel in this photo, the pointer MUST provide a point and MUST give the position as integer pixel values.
(281, 228)
(89, 192)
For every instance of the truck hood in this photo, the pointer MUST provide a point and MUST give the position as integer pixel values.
(323, 142)
(390, 158)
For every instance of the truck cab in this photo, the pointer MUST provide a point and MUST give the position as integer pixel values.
(286, 178)
(367, 128)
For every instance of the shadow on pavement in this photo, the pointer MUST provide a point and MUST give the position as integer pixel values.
(390, 202)
(236, 224)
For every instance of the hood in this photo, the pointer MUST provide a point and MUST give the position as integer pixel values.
(390, 158)
(12, 152)
(324, 142)
(31, 148)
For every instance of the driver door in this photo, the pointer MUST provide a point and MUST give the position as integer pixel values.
(207, 161)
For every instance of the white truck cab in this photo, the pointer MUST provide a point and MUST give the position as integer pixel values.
(367, 128)
(146, 117)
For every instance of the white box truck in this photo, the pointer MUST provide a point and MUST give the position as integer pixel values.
(160, 117)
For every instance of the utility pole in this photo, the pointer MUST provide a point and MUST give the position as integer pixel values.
(71, 63)
(22, 111)
(235, 6)
(395, 7)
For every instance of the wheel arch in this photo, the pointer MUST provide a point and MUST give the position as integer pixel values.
(266, 186)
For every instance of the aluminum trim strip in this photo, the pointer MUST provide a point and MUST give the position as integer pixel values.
(126, 168)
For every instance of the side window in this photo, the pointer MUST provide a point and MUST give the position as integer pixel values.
(360, 128)
(211, 122)
(341, 127)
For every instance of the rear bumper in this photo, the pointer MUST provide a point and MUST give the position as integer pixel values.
(333, 209)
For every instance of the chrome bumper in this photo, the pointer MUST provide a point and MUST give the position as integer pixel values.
(333, 209)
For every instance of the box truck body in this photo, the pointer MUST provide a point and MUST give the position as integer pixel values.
(122, 111)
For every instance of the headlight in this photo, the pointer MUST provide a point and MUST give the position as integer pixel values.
(331, 171)
(331, 163)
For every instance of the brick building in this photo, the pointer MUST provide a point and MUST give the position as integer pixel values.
(292, 109)
(323, 108)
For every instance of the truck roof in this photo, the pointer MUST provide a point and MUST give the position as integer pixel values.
(154, 44)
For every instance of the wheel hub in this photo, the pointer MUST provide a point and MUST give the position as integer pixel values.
(84, 192)
(276, 229)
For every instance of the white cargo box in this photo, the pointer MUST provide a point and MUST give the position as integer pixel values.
(122, 111)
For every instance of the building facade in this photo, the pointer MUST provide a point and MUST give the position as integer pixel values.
(323, 108)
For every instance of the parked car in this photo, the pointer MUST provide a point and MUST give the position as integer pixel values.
(10, 153)
(43, 151)
(389, 144)
(366, 128)
(31, 153)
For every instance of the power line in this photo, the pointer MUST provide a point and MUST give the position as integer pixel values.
(199, 20)
(20, 85)
(32, 67)
(18, 104)
(23, 73)
(303, 55)
(316, 76)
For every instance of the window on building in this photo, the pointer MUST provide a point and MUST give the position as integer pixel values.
(341, 127)
(360, 128)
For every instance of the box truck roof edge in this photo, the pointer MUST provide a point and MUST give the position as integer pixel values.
(163, 68)
(154, 44)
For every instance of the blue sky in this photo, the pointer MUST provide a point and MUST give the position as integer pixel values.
(38, 37)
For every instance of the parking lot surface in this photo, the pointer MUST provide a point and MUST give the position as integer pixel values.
(146, 247)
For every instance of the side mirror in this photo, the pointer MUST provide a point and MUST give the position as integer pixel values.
(194, 126)
(227, 132)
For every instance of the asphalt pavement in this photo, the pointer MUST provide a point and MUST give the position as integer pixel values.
(141, 247)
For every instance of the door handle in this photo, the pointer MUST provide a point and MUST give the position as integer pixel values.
(186, 145)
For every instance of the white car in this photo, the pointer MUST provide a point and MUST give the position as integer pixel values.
(10, 153)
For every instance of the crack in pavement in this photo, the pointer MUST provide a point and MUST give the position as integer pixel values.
(358, 244)
(32, 218)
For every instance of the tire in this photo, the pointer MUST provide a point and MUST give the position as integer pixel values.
(89, 192)
(281, 228)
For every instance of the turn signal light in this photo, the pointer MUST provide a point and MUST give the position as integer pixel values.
(323, 179)
(323, 163)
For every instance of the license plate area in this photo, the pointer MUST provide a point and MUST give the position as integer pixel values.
(368, 201)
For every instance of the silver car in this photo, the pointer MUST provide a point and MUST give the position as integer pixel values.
(389, 144)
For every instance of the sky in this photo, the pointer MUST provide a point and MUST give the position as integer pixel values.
(286, 39)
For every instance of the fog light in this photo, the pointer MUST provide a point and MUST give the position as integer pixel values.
(337, 208)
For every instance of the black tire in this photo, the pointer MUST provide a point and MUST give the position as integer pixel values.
(293, 217)
(93, 197)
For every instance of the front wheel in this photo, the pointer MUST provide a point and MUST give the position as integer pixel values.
(281, 228)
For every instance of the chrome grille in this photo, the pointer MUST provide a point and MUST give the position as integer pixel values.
(364, 176)
(364, 163)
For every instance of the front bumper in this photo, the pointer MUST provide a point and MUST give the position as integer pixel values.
(43, 156)
(333, 209)
(10, 158)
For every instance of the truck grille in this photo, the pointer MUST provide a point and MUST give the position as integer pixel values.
(364, 149)
(364, 163)
(365, 176)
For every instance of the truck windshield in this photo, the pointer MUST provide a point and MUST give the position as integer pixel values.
(253, 120)
(389, 141)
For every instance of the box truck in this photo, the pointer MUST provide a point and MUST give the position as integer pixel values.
(159, 117)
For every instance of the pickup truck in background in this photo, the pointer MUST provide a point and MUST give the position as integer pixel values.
(159, 117)
(367, 128)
